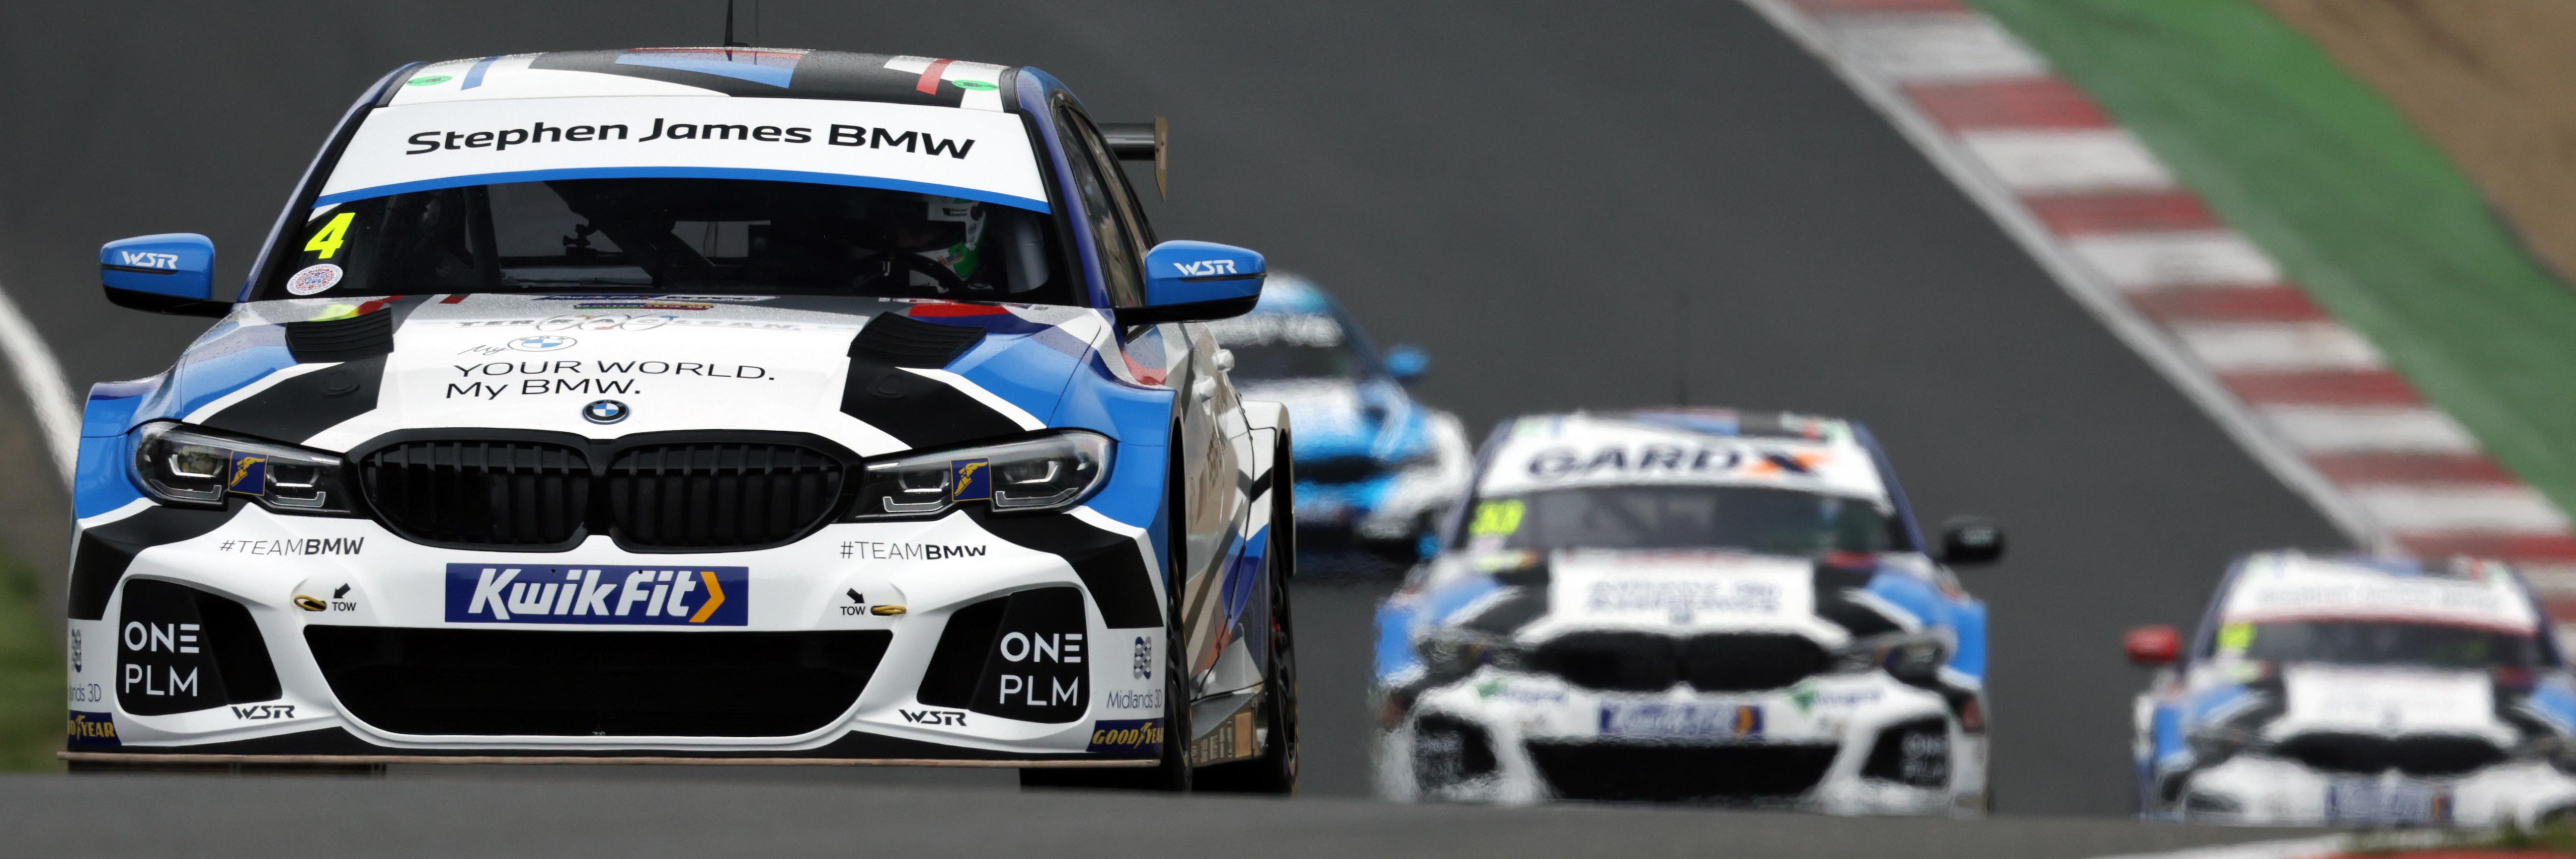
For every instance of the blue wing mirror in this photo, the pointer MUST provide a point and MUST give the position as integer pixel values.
(1195, 282)
(167, 273)
(1407, 362)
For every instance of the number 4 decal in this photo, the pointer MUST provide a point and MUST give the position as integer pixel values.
(333, 235)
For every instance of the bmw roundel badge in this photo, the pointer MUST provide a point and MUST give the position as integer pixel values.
(604, 412)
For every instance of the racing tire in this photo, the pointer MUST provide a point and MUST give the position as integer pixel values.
(1275, 771)
(1171, 774)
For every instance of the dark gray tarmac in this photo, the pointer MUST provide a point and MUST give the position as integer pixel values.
(1569, 205)
(270, 818)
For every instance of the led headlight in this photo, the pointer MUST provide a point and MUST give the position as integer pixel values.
(2213, 744)
(1036, 475)
(178, 464)
(1913, 658)
(1450, 652)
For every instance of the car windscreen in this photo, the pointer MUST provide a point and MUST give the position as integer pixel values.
(1289, 346)
(715, 236)
(1749, 518)
(679, 193)
(2379, 642)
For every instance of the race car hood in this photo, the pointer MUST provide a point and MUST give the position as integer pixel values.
(331, 375)
(2380, 701)
(1832, 600)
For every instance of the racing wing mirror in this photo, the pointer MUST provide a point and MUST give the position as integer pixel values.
(2153, 646)
(1967, 542)
(1406, 362)
(1196, 282)
(167, 273)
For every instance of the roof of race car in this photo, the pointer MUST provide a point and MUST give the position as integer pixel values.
(1682, 446)
(748, 72)
(2288, 586)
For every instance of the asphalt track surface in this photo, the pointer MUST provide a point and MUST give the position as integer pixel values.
(1569, 205)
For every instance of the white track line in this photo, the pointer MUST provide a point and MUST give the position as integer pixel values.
(2294, 849)
(2087, 285)
(57, 417)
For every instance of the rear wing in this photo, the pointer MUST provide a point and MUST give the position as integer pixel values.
(1137, 141)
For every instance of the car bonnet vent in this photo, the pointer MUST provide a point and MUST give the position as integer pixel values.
(365, 335)
(903, 341)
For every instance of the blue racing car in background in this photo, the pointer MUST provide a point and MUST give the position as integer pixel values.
(1375, 469)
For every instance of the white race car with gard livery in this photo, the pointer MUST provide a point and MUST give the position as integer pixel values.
(1688, 605)
(681, 405)
(2359, 691)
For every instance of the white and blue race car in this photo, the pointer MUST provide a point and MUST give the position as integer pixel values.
(2355, 690)
(681, 405)
(1688, 605)
(1376, 468)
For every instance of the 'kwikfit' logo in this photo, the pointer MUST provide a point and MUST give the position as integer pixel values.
(701, 596)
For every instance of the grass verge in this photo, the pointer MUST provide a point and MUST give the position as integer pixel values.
(2370, 217)
(31, 676)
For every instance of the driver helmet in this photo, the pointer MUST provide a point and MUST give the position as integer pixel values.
(946, 230)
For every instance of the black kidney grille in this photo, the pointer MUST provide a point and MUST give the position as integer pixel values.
(1649, 662)
(1743, 663)
(719, 495)
(2418, 755)
(479, 492)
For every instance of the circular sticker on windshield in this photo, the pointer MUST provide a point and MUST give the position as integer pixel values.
(314, 279)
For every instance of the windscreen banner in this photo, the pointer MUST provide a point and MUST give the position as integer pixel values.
(972, 154)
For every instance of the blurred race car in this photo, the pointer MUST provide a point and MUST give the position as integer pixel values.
(1688, 606)
(688, 404)
(1375, 468)
(2358, 691)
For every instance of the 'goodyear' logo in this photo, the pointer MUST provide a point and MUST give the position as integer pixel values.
(90, 729)
(972, 479)
(250, 475)
(1127, 736)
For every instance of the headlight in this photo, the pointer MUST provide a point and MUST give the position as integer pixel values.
(1910, 657)
(1031, 476)
(2213, 744)
(1450, 652)
(196, 467)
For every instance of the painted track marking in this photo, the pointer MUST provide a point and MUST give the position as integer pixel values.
(2310, 399)
(57, 416)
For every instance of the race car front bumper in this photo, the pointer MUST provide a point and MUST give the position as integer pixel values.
(1850, 744)
(2263, 790)
(951, 641)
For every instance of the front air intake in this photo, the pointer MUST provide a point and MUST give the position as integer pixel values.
(488, 682)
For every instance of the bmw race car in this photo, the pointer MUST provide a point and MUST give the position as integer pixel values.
(1688, 606)
(2359, 690)
(1375, 468)
(681, 405)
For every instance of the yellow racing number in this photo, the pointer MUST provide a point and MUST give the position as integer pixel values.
(2234, 638)
(332, 236)
(1497, 518)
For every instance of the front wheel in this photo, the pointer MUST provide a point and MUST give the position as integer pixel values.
(1171, 773)
(1275, 771)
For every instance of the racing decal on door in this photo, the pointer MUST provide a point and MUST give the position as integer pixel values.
(623, 595)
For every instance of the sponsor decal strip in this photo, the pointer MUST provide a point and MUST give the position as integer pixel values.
(2305, 395)
(855, 181)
